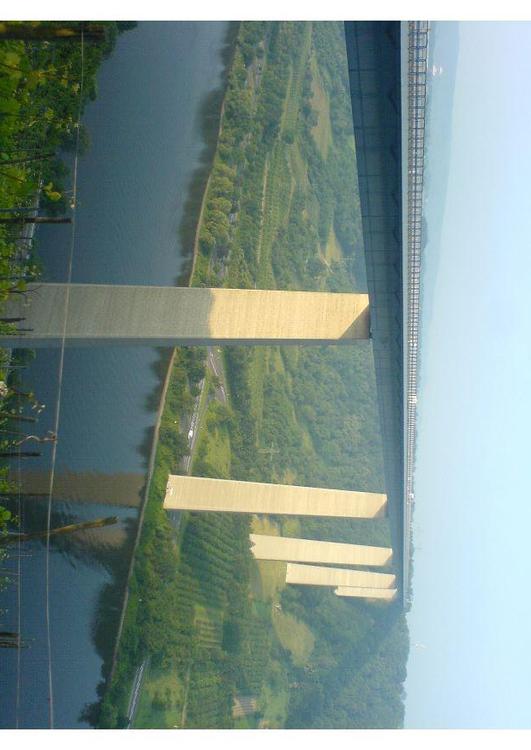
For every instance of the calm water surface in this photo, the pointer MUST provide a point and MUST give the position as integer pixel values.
(147, 143)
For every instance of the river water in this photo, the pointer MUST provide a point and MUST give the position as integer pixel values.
(138, 187)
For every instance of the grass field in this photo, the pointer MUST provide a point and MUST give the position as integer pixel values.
(333, 250)
(217, 445)
(274, 698)
(268, 577)
(295, 636)
(161, 701)
(256, 372)
(322, 132)
(271, 579)
(298, 166)
(293, 98)
(276, 210)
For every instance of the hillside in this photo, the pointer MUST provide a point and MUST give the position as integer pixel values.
(281, 210)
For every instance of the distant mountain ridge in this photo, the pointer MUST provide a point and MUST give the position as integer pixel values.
(444, 50)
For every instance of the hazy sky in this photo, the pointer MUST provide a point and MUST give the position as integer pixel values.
(470, 662)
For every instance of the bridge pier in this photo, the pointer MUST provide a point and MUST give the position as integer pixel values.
(230, 496)
(316, 575)
(386, 595)
(185, 492)
(173, 316)
(290, 549)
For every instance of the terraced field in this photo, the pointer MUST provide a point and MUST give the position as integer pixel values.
(294, 95)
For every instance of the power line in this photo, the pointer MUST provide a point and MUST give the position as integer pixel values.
(19, 589)
(59, 393)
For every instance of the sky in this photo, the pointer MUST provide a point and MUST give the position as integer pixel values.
(470, 660)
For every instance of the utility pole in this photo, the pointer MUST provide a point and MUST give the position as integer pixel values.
(271, 450)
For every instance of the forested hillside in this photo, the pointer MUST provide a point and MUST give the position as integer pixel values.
(280, 211)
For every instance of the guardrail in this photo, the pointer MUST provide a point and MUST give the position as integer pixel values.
(417, 75)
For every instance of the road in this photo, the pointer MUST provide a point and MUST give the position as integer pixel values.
(215, 364)
(135, 693)
(192, 428)
(186, 691)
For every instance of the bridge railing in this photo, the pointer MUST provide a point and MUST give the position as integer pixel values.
(417, 75)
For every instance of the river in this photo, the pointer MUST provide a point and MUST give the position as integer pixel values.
(138, 189)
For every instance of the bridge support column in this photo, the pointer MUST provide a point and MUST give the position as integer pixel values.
(315, 575)
(288, 549)
(172, 316)
(228, 495)
(387, 595)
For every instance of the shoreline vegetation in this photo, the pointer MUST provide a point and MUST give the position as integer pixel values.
(186, 276)
(40, 99)
(280, 209)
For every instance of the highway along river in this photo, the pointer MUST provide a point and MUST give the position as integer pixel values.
(138, 188)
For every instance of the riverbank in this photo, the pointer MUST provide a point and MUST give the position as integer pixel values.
(151, 467)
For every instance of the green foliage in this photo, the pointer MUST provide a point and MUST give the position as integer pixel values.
(39, 101)
(355, 679)
(5, 519)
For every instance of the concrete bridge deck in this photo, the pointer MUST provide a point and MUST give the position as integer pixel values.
(388, 75)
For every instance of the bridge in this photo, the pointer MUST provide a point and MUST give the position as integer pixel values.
(388, 81)
(176, 316)
(388, 77)
(387, 69)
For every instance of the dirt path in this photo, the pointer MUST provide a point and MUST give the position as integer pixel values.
(262, 207)
(186, 690)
